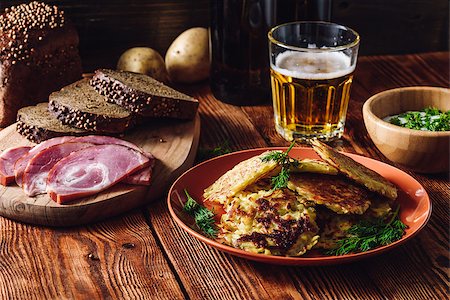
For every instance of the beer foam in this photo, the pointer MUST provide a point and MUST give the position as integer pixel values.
(313, 65)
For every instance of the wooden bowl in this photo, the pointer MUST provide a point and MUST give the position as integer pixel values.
(421, 151)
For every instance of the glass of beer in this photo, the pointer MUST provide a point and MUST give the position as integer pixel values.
(311, 68)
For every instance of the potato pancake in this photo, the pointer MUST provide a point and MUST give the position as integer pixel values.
(333, 227)
(335, 192)
(314, 166)
(356, 171)
(238, 178)
(269, 221)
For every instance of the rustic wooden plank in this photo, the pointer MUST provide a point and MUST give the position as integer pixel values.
(334, 282)
(118, 258)
(224, 122)
(400, 26)
(263, 120)
(386, 72)
(412, 266)
(107, 28)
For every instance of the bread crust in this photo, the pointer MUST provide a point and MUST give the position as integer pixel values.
(140, 102)
(35, 60)
(37, 134)
(88, 119)
(37, 124)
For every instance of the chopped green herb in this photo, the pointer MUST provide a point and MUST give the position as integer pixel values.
(204, 218)
(281, 180)
(286, 162)
(204, 154)
(431, 119)
(368, 235)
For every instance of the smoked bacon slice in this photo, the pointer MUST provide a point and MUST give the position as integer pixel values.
(91, 170)
(7, 160)
(22, 163)
(35, 175)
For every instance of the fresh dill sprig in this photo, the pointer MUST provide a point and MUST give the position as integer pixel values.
(191, 205)
(204, 154)
(286, 162)
(281, 180)
(367, 235)
(203, 217)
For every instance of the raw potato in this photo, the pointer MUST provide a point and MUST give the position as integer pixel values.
(187, 59)
(145, 61)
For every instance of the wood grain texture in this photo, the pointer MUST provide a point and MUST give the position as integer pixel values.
(173, 144)
(396, 27)
(118, 259)
(167, 263)
(109, 27)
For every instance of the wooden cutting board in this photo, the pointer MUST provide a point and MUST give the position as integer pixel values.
(174, 144)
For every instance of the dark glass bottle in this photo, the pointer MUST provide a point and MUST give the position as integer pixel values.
(239, 47)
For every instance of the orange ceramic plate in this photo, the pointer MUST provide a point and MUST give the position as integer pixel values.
(415, 205)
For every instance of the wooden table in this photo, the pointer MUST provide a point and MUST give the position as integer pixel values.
(144, 254)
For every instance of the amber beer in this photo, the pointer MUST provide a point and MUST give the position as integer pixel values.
(310, 93)
(312, 65)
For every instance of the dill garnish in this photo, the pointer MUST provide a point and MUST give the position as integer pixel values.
(204, 218)
(367, 235)
(430, 118)
(204, 154)
(286, 162)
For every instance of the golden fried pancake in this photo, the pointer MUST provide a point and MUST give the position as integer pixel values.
(334, 227)
(335, 192)
(270, 221)
(356, 171)
(314, 166)
(238, 178)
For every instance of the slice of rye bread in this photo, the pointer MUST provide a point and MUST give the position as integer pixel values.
(143, 95)
(37, 124)
(79, 105)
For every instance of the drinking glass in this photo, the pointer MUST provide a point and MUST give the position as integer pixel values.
(311, 68)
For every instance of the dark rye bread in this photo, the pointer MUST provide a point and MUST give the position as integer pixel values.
(38, 55)
(37, 124)
(143, 95)
(79, 105)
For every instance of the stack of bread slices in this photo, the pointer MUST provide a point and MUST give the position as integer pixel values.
(112, 102)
